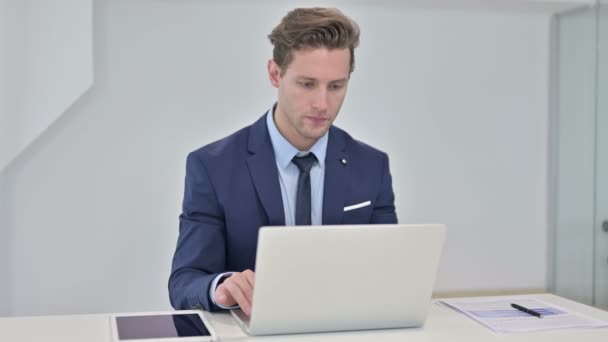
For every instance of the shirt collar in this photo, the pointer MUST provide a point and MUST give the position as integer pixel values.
(284, 151)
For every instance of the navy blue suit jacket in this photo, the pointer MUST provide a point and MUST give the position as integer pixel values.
(232, 189)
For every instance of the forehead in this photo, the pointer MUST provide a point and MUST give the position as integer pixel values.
(320, 64)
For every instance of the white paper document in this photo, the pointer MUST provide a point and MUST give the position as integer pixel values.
(497, 314)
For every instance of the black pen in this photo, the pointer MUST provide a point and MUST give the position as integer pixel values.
(528, 311)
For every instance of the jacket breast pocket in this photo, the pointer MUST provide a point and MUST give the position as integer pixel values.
(358, 212)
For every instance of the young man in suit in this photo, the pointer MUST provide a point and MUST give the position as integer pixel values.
(291, 167)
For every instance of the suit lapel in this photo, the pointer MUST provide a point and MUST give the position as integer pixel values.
(337, 172)
(263, 170)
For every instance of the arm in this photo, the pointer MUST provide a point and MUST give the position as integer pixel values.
(200, 252)
(384, 206)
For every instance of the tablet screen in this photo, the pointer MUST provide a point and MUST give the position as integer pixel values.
(160, 326)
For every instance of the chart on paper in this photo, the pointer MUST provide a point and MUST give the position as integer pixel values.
(497, 314)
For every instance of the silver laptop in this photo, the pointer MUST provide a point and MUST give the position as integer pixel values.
(338, 278)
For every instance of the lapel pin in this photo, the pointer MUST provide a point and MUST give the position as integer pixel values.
(343, 161)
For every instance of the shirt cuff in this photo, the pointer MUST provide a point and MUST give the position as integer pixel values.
(213, 287)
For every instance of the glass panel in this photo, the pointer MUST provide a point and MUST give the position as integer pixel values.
(601, 236)
(580, 155)
(573, 158)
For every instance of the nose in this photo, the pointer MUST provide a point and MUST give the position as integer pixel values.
(320, 100)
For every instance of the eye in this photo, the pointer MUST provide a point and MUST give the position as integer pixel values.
(336, 86)
(307, 84)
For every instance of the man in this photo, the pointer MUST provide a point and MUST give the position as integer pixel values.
(291, 167)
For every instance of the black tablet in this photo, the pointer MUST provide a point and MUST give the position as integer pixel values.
(165, 326)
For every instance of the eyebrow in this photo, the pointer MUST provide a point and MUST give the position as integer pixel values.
(304, 78)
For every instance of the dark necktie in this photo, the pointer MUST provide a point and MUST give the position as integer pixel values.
(303, 198)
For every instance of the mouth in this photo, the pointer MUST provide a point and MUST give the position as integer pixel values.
(317, 120)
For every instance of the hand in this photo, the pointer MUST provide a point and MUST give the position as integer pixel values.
(237, 290)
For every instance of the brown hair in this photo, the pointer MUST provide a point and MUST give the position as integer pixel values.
(314, 27)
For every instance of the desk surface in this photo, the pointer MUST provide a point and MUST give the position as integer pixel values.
(443, 324)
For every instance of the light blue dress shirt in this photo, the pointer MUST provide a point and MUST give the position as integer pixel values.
(284, 152)
(289, 173)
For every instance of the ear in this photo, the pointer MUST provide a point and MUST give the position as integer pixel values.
(274, 73)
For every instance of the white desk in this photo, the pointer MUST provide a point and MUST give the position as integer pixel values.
(442, 325)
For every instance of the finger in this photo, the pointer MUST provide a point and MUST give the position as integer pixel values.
(239, 296)
(223, 297)
(250, 276)
(242, 282)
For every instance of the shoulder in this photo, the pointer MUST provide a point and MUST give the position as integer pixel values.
(230, 148)
(356, 147)
(223, 148)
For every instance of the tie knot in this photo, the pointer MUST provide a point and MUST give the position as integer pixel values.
(305, 163)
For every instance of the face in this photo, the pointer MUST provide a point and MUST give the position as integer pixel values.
(310, 93)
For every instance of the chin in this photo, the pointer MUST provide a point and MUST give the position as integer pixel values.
(314, 133)
(317, 135)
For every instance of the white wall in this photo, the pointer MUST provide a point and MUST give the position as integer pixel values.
(5, 252)
(6, 44)
(458, 100)
(45, 64)
(463, 113)
(49, 65)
